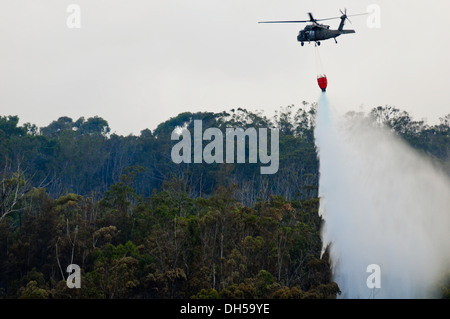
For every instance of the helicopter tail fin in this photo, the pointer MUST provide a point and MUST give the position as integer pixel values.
(341, 25)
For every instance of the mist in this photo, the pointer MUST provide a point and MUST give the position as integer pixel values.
(382, 203)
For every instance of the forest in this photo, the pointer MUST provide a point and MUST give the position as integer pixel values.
(142, 227)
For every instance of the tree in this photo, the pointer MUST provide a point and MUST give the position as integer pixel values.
(93, 125)
(32, 291)
(9, 128)
(13, 187)
(55, 128)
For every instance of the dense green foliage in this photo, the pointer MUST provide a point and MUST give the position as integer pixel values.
(141, 226)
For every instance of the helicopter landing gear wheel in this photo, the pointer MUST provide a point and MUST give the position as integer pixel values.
(302, 43)
(318, 43)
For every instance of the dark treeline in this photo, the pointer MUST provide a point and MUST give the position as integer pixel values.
(141, 226)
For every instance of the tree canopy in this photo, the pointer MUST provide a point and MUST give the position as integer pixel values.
(141, 226)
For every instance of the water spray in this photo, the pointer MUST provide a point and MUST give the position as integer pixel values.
(384, 206)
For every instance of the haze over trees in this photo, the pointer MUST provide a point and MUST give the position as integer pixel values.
(141, 226)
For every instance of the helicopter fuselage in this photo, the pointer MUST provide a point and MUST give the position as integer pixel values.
(318, 33)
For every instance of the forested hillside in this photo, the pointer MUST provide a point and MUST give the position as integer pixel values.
(141, 226)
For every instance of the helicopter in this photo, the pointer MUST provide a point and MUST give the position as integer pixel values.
(318, 32)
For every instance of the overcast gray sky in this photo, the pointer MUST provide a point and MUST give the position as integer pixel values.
(138, 62)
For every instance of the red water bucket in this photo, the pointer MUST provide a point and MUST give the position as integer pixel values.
(322, 81)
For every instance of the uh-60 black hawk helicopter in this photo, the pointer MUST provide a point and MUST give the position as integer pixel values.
(317, 32)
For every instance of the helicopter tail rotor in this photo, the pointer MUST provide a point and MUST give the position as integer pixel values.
(344, 15)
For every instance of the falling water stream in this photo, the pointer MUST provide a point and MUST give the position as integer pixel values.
(382, 203)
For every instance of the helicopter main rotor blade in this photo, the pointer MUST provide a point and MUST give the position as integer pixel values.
(359, 14)
(313, 20)
(327, 19)
(304, 21)
(350, 15)
(300, 21)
